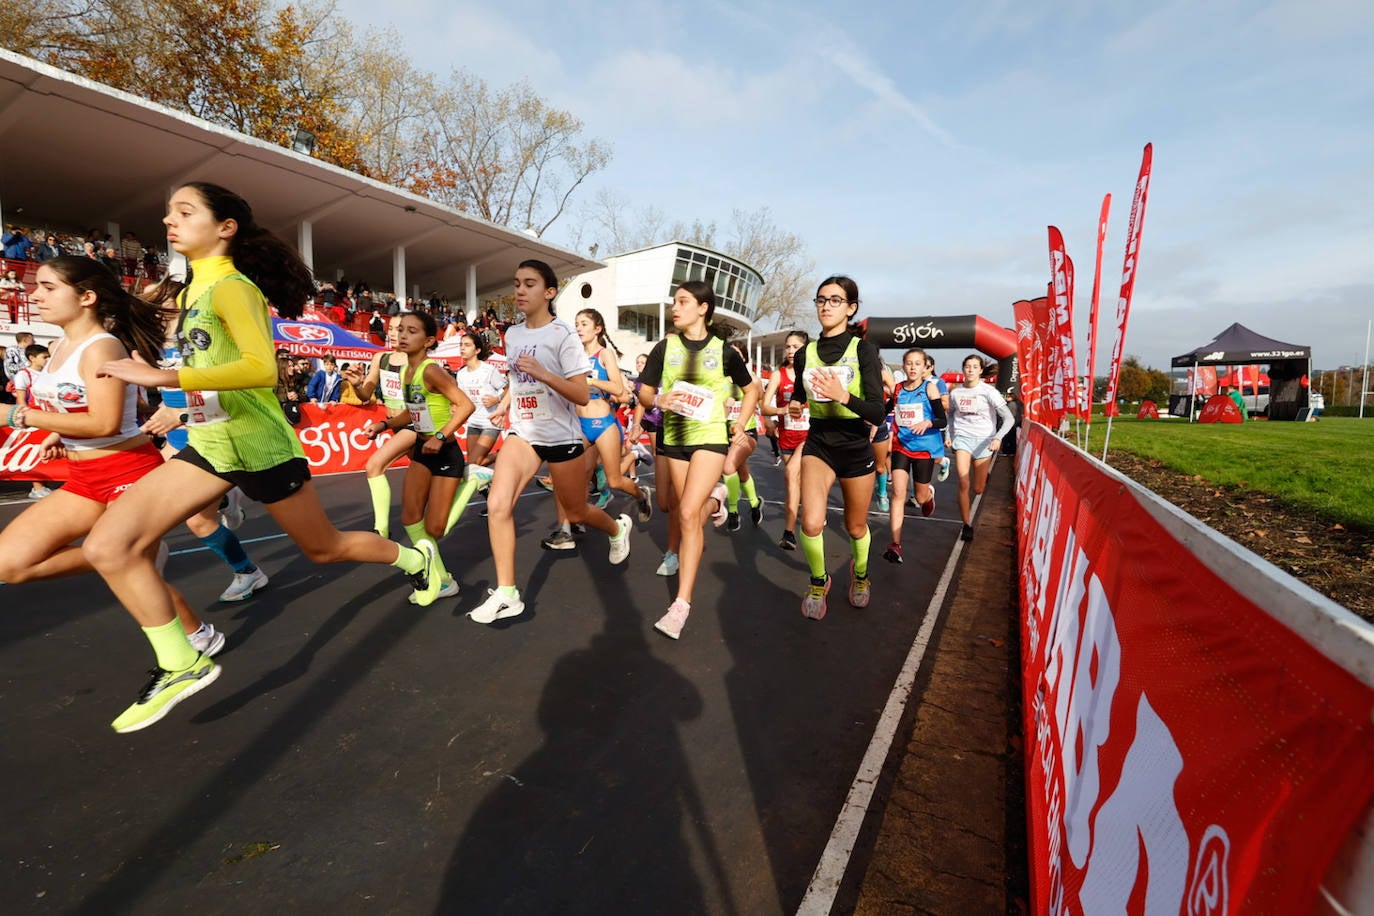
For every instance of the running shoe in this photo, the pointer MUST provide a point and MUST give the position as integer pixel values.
(911, 499)
(599, 479)
(545, 482)
(603, 498)
(967, 533)
(858, 588)
(669, 565)
(243, 586)
(496, 607)
(207, 640)
(561, 539)
(39, 492)
(164, 690)
(813, 602)
(578, 529)
(928, 508)
(732, 521)
(646, 504)
(620, 543)
(893, 553)
(943, 473)
(671, 623)
(756, 514)
(884, 504)
(721, 496)
(231, 511)
(427, 581)
(479, 473)
(777, 461)
(449, 590)
(789, 541)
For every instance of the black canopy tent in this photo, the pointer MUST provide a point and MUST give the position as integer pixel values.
(1290, 366)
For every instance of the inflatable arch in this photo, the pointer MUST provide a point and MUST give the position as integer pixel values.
(950, 332)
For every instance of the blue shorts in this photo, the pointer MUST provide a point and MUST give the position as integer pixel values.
(593, 427)
(979, 448)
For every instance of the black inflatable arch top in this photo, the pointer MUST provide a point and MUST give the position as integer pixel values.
(956, 332)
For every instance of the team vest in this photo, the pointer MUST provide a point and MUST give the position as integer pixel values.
(737, 393)
(701, 380)
(848, 368)
(389, 385)
(429, 410)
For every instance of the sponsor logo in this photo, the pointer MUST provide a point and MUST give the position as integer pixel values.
(199, 338)
(1215, 354)
(304, 333)
(1210, 890)
(18, 456)
(909, 333)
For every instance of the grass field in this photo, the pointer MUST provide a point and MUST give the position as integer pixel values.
(1327, 466)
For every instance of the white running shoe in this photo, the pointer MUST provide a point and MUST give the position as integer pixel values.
(620, 543)
(669, 565)
(243, 586)
(496, 607)
(943, 475)
(477, 472)
(39, 492)
(671, 623)
(233, 513)
(207, 640)
(721, 496)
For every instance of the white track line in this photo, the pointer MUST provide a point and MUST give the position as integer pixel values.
(825, 881)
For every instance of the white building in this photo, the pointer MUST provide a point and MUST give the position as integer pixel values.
(634, 293)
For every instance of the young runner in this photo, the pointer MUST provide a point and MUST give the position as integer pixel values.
(882, 442)
(383, 377)
(486, 387)
(792, 435)
(975, 407)
(918, 418)
(736, 470)
(688, 376)
(238, 435)
(92, 419)
(548, 378)
(840, 381)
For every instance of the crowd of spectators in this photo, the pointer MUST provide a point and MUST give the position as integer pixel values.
(128, 257)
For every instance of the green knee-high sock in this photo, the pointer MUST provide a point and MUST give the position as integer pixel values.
(381, 504)
(814, 548)
(732, 491)
(859, 548)
(173, 652)
(409, 560)
(417, 533)
(749, 492)
(460, 502)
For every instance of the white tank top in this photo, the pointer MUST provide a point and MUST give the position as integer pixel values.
(64, 391)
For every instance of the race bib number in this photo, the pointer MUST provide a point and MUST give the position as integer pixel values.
(733, 412)
(908, 415)
(420, 419)
(391, 386)
(797, 424)
(531, 402)
(694, 401)
(203, 408)
(842, 372)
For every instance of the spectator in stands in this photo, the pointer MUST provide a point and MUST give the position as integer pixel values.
(49, 249)
(393, 308)
(12, 283)
(111, 260)
(377, 324)
(14, 356)
(88, 251)
(152, 264)
(130, 248)
(325, 387)
(17, 244)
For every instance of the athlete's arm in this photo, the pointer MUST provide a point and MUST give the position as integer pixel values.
(104, 414)
(243, 312)
(770, 396)
(871, 406)
(615, 384)
(939, 419)
(439, 381)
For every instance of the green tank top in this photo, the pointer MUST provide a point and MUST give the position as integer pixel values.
(241, 430)
(393, 393)
(848, 367)
(700, 375)
(429, 411)
(737, 393)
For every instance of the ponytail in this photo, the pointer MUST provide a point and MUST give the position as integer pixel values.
(546, 272)
(601, 336)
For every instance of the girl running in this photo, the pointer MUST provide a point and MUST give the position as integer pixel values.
(694, 370)
(840, 382)
(548, 378)
(737, 477)
(792, 432)
(918, 418)
(92, 419)
(486, 388)
(238, 435)
(435, 408)
(974, 435)
(383, 376)
(882, 442)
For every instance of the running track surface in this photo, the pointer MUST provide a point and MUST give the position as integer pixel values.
(360, 754)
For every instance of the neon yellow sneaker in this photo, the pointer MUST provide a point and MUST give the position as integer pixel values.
(165, 690)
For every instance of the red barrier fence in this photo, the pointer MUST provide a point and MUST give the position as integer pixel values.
(1197, 723)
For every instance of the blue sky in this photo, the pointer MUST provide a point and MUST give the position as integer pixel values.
(923, 148)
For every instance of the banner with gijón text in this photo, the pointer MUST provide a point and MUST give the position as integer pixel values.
(1186, 752)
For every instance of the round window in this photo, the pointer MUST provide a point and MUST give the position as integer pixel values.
(586, 290)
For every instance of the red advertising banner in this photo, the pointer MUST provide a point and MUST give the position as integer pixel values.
(1042, 324)
(1064, 388)
(1149, 410)
(1027, 351)
(1092, 308)
(1220, 409)
(1134, 230)
(1186, 751)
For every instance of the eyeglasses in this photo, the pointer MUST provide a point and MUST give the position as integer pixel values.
(836, 301)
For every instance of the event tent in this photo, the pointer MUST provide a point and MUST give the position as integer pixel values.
(1290, 366)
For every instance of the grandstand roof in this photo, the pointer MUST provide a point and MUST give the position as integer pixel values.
(80, 154)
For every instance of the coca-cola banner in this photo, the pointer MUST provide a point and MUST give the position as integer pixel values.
(1189, 748)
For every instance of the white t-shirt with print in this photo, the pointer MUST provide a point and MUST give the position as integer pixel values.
(484, 381)
(538, 414)
(973, 412)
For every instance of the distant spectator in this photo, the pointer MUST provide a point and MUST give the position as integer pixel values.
(326, 385)
(111, 260)
(393, 308)
(17, 244)
(1234, 394)
(48, 250)
(152, 263)
(15, 359)
(130, 247)
(377, 324)
(12, 283)
(88, 250)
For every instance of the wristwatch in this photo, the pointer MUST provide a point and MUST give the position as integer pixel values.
(439, 435)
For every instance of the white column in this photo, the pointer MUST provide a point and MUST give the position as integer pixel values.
(305, 242)
(662, 327)
(398, 272)
(470, 296)
(113, 230)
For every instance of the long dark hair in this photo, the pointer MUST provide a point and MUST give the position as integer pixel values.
(259, 255)
(545, 271)
(601, 336)
(703, 293)
(478, 341)
(137, 324)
